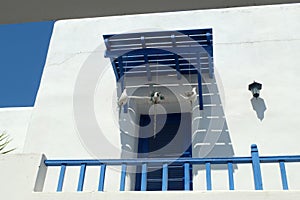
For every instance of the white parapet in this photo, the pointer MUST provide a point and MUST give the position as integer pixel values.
(21, 174)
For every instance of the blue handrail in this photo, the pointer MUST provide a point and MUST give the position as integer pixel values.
(255, 160)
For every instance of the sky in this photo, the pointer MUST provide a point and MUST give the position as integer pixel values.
(23, 51)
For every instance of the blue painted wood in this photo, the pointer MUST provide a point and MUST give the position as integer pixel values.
(165, 178)
(149, 77)
(186, 176)
(101, 177)
(199, 83)
(106, 41)
(208, 176)
(61, 177)
(107, 44)
(123, 176)
(164, 58)
(200, 91)
(256, 167)
(143, 41)
(173, 38)
(254, 159)
(230, 176)
(156, 51)
(161, 33)
(162, 73)
(121, 79)
(149, 44)
(210, 63)
(144, 177)
(283, 176)
(209, 37)
(81, 177)
(120, 41)
(120, 65)
(159, 161)
(177, 67)
(113, 63)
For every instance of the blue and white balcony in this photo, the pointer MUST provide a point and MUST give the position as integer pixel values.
(91, 145)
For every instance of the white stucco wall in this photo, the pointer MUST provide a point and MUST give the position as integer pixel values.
(22, 172)
(14, 122)
(253, 43)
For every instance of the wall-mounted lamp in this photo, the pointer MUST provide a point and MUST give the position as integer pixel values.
(255, 88)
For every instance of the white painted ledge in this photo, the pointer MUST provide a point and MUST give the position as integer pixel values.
(228, 195)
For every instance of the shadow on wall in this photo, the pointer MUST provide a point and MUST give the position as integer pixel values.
(210, 134)
(211, 137)
(259, 106)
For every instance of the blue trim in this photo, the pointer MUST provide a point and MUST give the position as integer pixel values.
(61, 178)
(199, 161)
(115, 69)
(230, 176)
(199, 83)
(208, 176)
(157, 51)
(165, 178)
(102, 177)
(120, 65)
(256, 168)
(186, 176)
(158, 161)
(123, 176)
(122, 77)
(283, 176)
(177, 67)
(144, 177)
(81, 177)
(210, 68)
(149, 77)
(200, 92)
(190, 32)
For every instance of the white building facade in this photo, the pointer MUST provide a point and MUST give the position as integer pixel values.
(76, 113)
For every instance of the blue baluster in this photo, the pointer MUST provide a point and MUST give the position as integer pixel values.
(256, 167)
(283, 176)
(208, 175)
(102, 177)
(81, 177)
(123, 176)
(186, 176)
(230, 176)
(61, 178)
(144, 177)
(165, 177)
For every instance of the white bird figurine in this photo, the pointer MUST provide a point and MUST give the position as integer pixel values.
(191, 96)
(156, 97)
(123, 98)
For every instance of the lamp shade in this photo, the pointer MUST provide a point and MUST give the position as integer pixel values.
(255, 87)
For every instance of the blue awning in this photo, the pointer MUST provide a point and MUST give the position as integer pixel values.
(161, 53)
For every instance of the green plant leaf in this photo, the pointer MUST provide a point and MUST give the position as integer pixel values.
(4, 141)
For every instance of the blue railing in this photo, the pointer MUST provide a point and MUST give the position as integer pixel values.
(255, 160)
